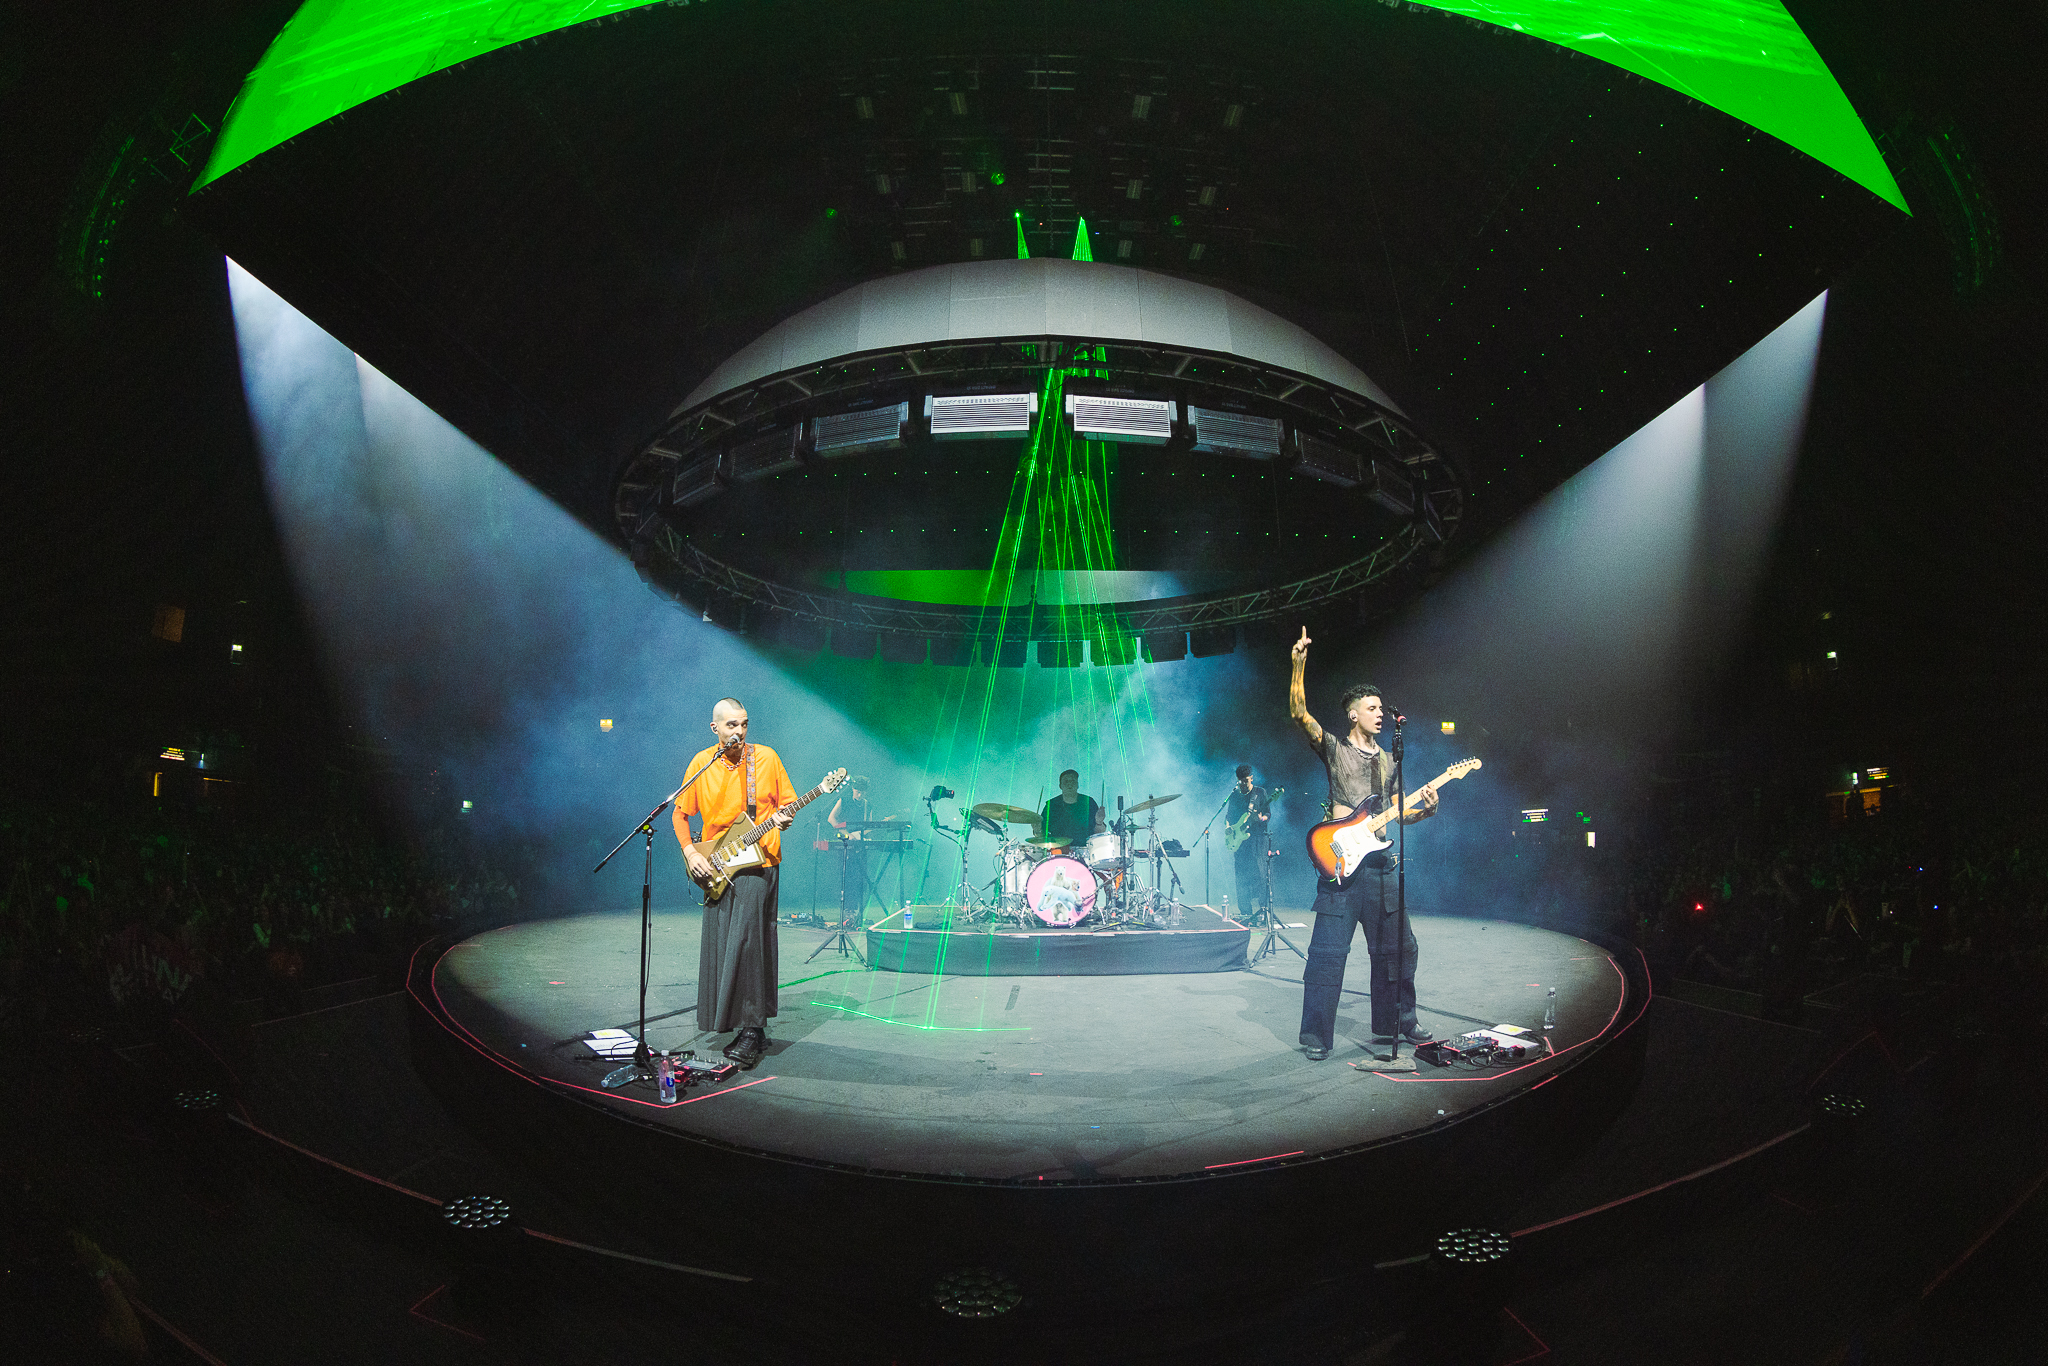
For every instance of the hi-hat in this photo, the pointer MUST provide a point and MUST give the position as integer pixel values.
(1148, 805)
(1015, 815)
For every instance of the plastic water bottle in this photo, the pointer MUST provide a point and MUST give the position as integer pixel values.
(665, 1076)
(1550, 1010)
(909, 918)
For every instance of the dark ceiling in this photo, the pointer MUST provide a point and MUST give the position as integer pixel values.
(1533, 251)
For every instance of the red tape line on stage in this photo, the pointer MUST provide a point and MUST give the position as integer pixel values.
(164, 1324)
(1539, 1061)
(534, 1078)
(1665, 1185)
(644, 1261)
(1986, 1235)
(1218, 1166)
(338, 1166)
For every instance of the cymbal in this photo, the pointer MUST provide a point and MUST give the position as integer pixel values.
(1047, 842)
(890, 821)
(997, 811)
(1148, 805)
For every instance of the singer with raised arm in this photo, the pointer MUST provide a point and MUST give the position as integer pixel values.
(1361, 774)
(737, 962)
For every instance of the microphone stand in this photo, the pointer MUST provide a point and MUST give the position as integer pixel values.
(642, 1066)
(1395, 1062)
(1202, 839)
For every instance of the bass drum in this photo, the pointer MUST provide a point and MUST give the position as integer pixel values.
(1060, 891)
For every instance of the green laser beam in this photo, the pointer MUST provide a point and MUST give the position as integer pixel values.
(928, 1027)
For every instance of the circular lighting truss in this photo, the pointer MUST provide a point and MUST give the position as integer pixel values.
(771, 450)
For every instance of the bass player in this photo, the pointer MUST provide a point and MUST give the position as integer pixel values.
(737, 962)
(1359, 771)
(1249, 812)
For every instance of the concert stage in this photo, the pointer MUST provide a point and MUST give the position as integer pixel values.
(1016, 1082)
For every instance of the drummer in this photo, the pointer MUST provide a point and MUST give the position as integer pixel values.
(1070, 818)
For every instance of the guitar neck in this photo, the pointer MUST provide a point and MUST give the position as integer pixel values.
(1379, 822)
(792, 807)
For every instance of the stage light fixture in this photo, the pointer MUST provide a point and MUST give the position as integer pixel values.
(1212, 641)
(604, 724)
(1327, 461)
(898, 648)
(695, 483)
(1113, 649)
(960, 416)
(768, 454)
(1389, 488)
(1589, 839)
(468, 805)
(849, 433)
(995, 177)
(1146, 420)
(1877, 774)
(173, 753)
(1449, 727)
(1536, 815)
(853, 642)
(1238, 434)
(1162, 647)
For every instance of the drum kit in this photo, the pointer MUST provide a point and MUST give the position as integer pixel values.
(1042, 880)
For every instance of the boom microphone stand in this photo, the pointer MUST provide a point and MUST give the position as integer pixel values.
(642, 1066)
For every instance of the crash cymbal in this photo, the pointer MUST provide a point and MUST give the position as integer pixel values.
(1155, 801)
(1047, 842)
(997, 811)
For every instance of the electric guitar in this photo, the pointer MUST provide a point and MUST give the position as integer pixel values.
(1338, 847)
(1240, 830)
(740, 846)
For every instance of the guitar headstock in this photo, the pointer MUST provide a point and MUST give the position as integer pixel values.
(1462, 767)
(838, 776)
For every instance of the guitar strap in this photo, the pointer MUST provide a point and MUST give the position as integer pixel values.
(750, 783)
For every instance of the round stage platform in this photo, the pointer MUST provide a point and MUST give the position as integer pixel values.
(1028, 1079)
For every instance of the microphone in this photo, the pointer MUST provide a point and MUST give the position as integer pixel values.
(939, 792)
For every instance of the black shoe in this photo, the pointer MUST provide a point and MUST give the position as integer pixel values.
(1316, 1049)
(746, 1050)
(1415, 1033)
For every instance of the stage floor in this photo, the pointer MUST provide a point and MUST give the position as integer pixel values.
(1029, 1078)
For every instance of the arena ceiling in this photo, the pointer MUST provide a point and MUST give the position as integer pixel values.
(551, 222)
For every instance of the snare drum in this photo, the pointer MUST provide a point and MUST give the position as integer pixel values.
(1103, 851)
(1060, 891)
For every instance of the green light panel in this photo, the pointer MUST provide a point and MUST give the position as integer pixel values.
(1746, 58)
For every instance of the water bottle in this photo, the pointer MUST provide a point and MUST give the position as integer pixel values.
(665, 1076)
(909, 918)
(1226, 905)
(1550, 1010)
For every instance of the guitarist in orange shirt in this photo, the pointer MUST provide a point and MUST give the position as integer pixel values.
(1359, 771)
(737, 961)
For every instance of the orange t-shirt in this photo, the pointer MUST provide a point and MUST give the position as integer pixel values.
(720, 796)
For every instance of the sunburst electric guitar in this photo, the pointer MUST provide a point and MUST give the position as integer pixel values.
(1338, 847)
(740, 846)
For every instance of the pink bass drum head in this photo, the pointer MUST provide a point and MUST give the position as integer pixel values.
(1060, 891)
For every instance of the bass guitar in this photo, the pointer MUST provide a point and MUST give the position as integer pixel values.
(740, 846)
(1338, 847)
(1240, 830)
